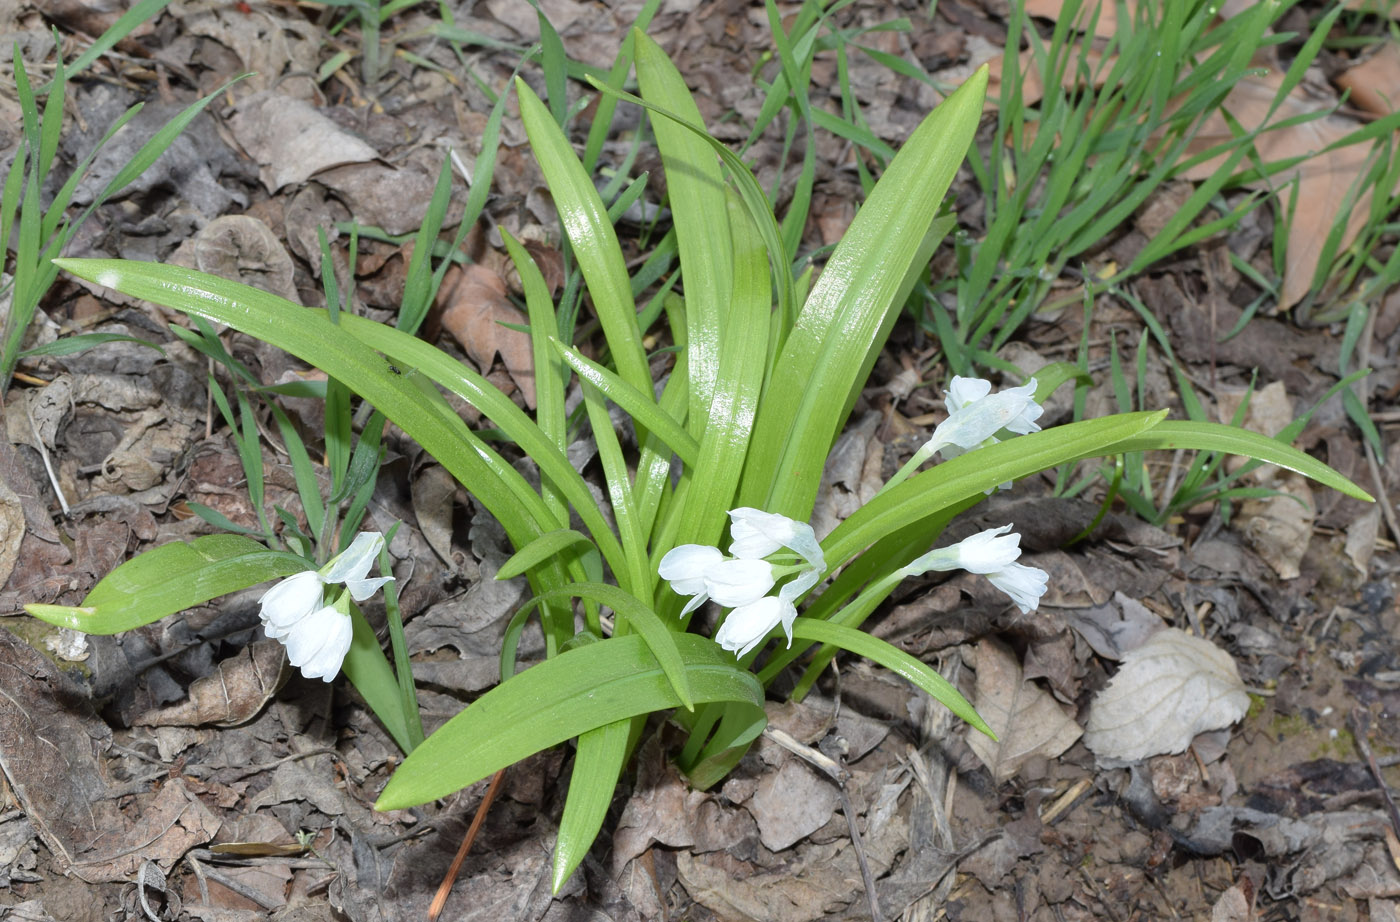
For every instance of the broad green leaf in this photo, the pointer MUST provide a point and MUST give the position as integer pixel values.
(577, 691)
(697, 193)
(634, 616)
(170, 579)
(848, 308)
(369, 671)
(591, 235)
(598, 763)
(894, 659)
(542, 548)
(1203, 436)
(969, 475)
(641, 407)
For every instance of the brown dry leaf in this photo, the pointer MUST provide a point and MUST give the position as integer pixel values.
(290, 141)
(1106, 26)
(11, 530)
(233, 694)
(1027, 720)
(432, 489)
(49, 749)
(241, 248)
(792, 803)
(1323, 179)
(278, 50)
(1375, 82)
(474, 306)
(1277, 527)
(1235, 904)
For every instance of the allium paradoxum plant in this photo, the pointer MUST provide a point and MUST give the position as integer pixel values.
(766, 369)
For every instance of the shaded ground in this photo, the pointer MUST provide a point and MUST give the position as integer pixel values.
(132, 759)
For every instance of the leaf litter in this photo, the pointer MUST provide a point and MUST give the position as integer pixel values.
(193, 740)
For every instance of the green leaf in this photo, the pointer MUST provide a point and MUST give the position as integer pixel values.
(1203, 436)
(893, 659)
(169, 579)
(601, 757)
(542, 548)
(696, 189)
(577, 691)
(847, 311)
(71, 344)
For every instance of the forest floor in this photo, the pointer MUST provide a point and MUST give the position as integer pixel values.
(129, 760)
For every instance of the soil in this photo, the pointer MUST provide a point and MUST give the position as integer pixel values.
(182, 771)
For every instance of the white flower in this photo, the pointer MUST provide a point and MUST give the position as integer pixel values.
(975, 416)
(317, 636)
(992, 553)
(747, 626)
(1024, 584)
(757, 534)
(742, 581)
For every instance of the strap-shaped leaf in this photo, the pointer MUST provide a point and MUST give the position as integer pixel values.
(969, 475)
(847, 311)
(577, 691)
(696, 189)
(541, 549)
(893, 659)
(1203, 436)
(601, 757)
(170, 579)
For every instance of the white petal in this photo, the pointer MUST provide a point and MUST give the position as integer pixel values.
(962, 391)
(989, 551)
(737, 582)
(1024, 584)
(757, 533)
(319, 643)
(969, 426)
(684, 567)
(361, 589)
(746, 627)
(354, 562)
(289, 601)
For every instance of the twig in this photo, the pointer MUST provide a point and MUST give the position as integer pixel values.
(44, 455)
(440, 899)
(838, 774)
(1381, 497)
(1360, 726)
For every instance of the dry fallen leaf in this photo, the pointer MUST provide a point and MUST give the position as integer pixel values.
(1171, 688)
(1026, 718)
(475, 306)
(1323, 179)
(233, 694)
(1375, 82)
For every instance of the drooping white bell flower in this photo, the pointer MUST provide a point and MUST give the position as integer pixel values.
(992, 553)
(317, 635)
(684, 568)
(747, 626)
(975, 416)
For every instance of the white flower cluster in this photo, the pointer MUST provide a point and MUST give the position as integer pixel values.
(317, 635)
(743, 579)
(976, 415)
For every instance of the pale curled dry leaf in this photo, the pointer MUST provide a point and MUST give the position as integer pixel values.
(1026, 718)
(1171, 688)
